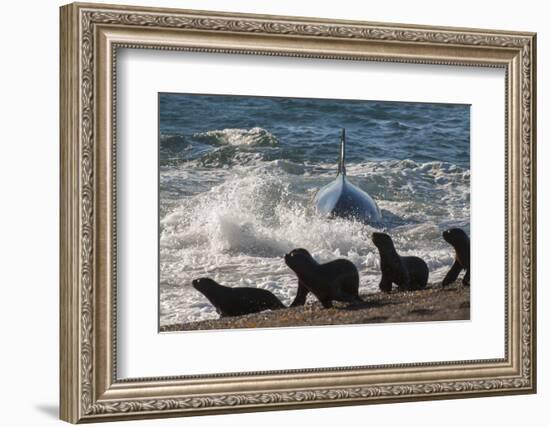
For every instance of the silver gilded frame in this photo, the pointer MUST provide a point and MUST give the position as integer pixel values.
(90, 37)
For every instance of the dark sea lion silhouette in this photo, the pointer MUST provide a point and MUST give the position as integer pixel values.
(336, 280)
(341, 198)
(460, 241)
(236, 301)
(407, 272)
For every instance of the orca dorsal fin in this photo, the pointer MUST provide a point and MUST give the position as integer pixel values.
(342, 161)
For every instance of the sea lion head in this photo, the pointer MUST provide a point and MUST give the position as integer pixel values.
(296, 259)
(382, 240)
(455, 235)
(204, 284)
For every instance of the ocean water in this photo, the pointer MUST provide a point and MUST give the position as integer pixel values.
(238, 176)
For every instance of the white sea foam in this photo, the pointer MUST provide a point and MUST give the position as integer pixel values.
(255, 136)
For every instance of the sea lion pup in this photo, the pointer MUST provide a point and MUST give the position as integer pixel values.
(336, 280)
(236, 301)
(460, 241)
(407, 272)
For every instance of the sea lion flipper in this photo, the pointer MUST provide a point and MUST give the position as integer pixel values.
(385, 284)
(277, 304)
(466, 279)
(406, 282)
(301, 295)
(452, 274)
(353, 299)
(327, 303)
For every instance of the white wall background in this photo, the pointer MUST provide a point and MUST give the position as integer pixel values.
(29, 170)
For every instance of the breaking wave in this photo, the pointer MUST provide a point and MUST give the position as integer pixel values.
(255, 137)
(238, 230)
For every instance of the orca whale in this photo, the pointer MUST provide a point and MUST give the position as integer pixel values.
(342, 199)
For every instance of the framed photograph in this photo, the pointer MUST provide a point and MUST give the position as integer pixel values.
(266, 212)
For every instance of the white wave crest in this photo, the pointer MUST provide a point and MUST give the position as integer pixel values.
(237, 137)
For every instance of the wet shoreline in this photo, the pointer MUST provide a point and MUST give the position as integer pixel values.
(432, 304)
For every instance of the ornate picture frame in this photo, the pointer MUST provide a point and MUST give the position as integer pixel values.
(90, 37)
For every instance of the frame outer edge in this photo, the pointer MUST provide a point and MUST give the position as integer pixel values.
(533, 208)
(305, 19)
(77, 339)
(68, 227)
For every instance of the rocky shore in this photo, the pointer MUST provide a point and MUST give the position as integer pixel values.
(432, 304)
